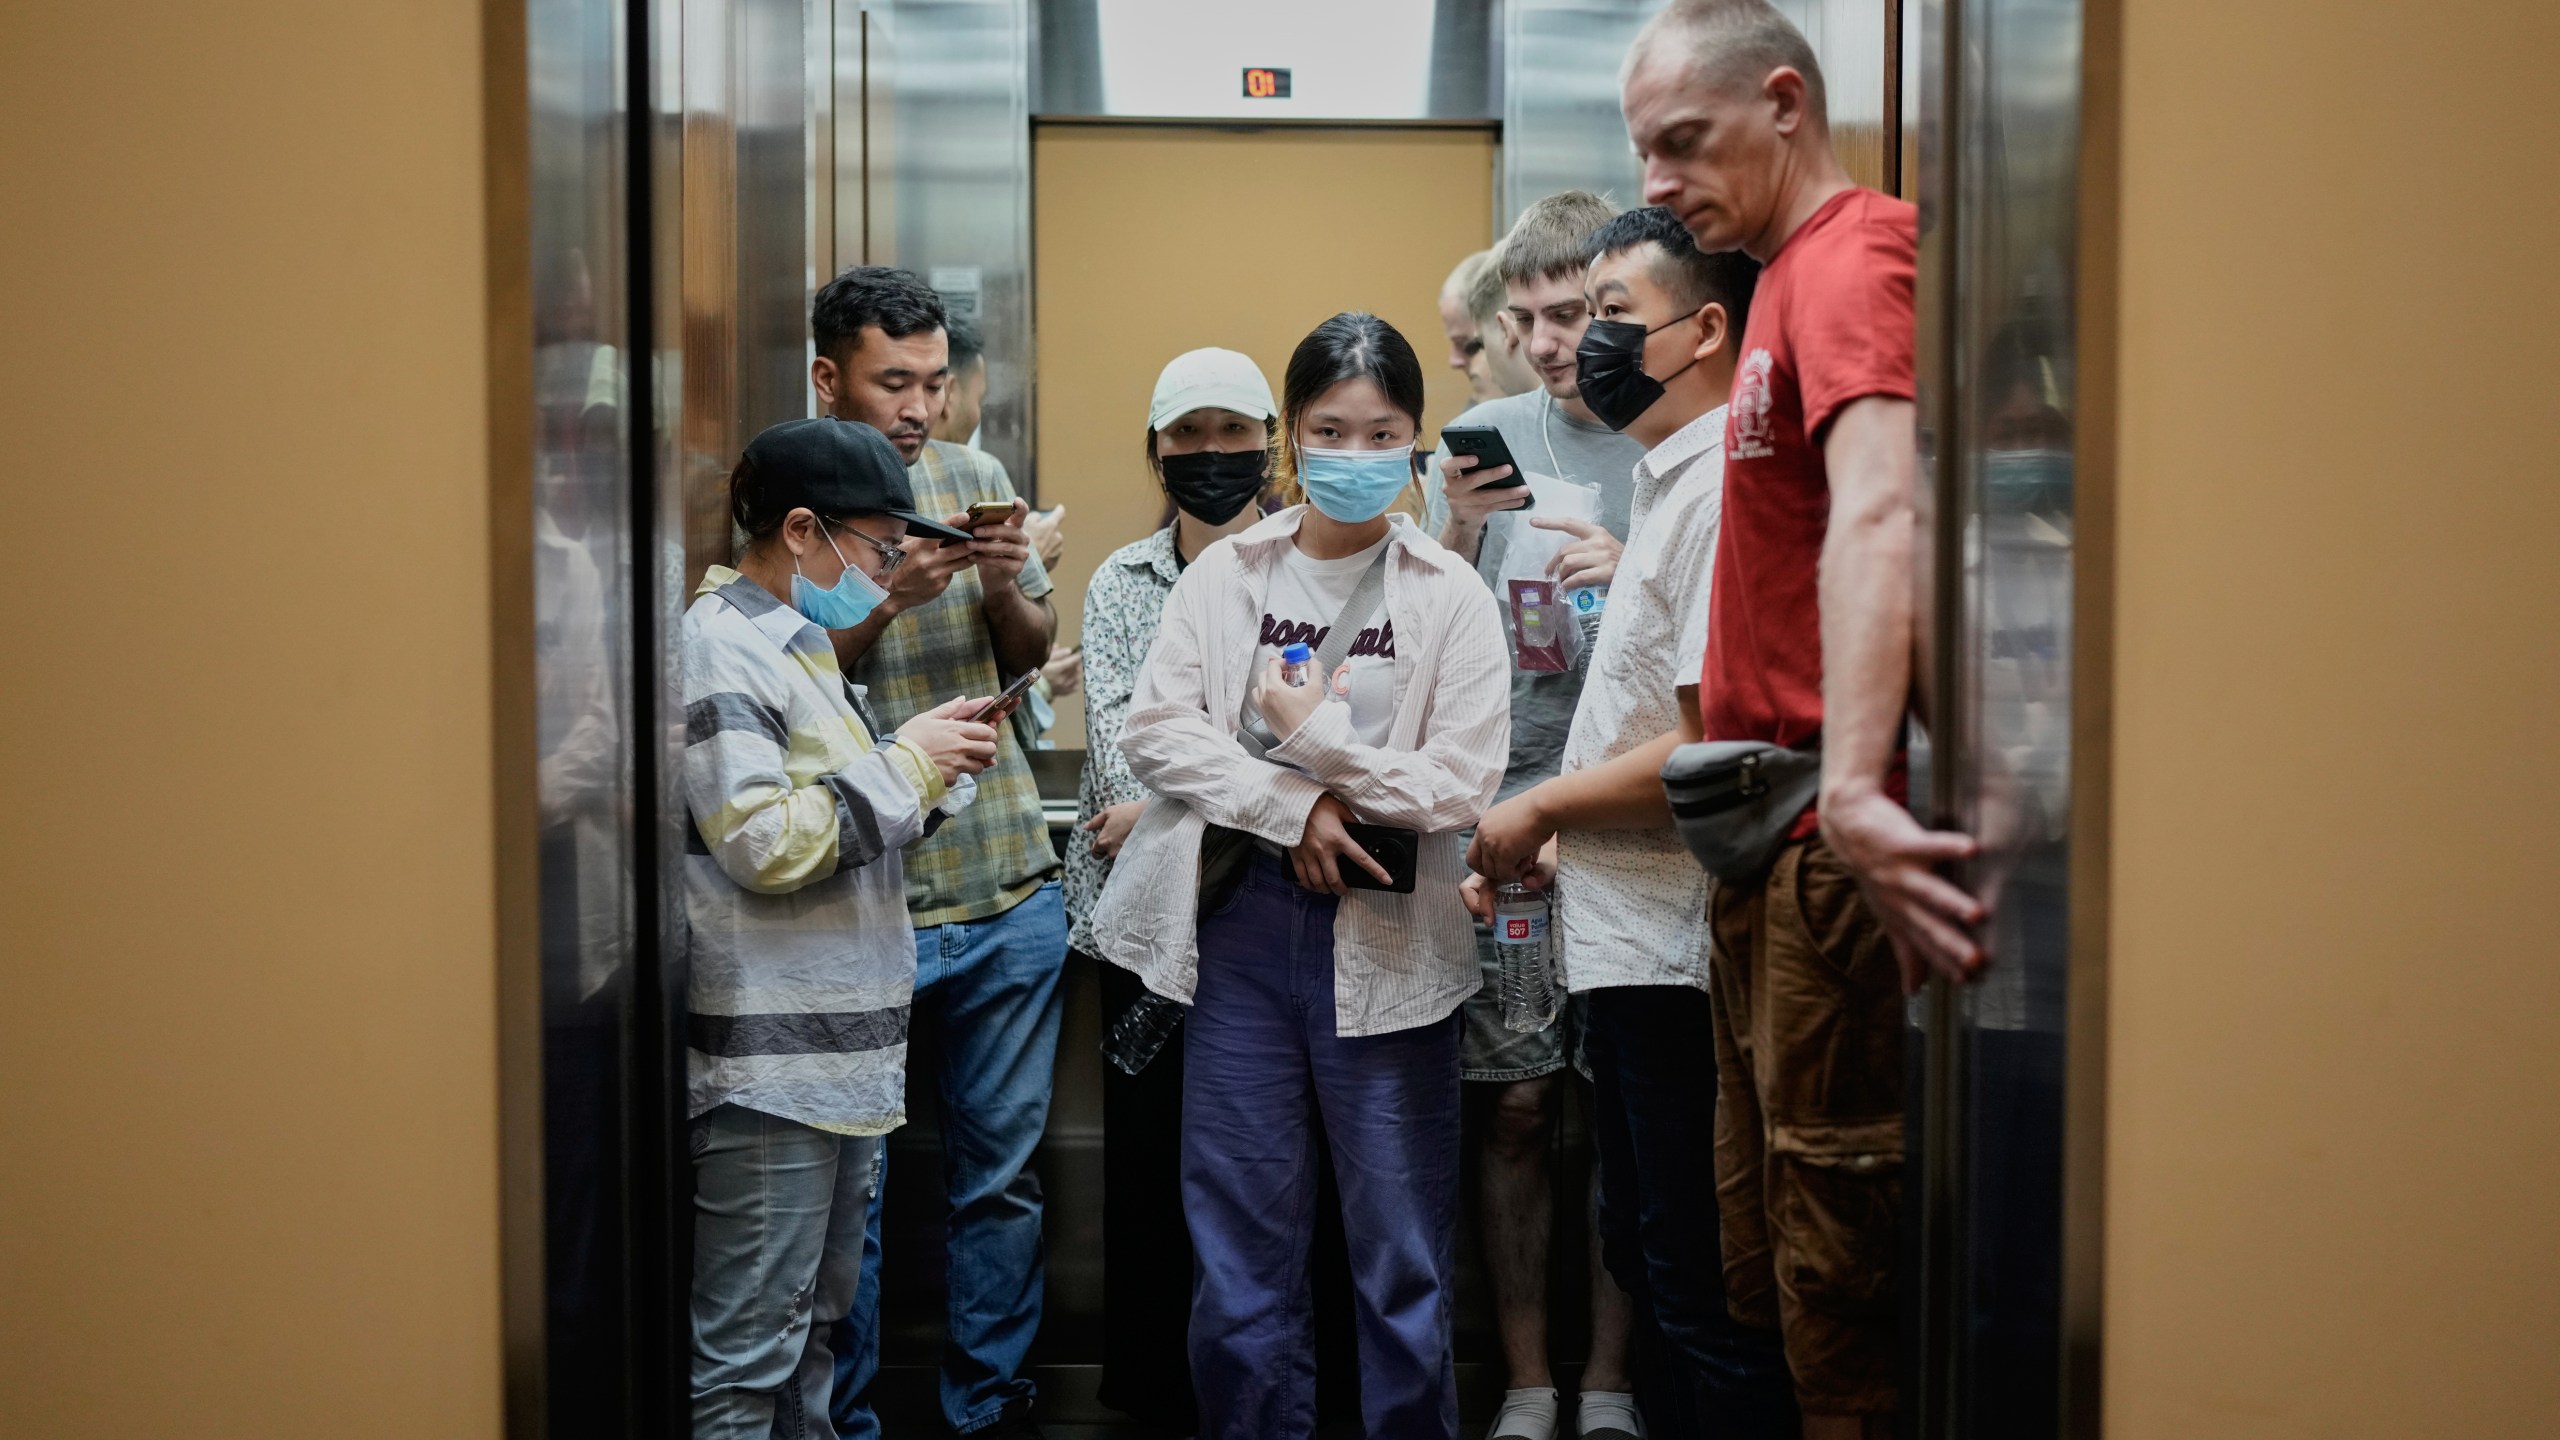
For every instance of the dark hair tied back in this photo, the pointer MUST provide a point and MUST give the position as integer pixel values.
(747, 505)
(1354, 345)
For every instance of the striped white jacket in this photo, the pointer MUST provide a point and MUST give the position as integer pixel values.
(802, 959)
(1399, 960)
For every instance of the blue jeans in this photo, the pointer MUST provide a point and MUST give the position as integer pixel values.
(991, 987)
(778, 1212)
(1260, 1060)
(1659, 1234)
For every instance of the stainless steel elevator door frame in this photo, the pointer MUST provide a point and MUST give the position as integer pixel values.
(2003, 1114)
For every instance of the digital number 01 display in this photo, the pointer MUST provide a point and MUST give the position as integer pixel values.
(1263, 84)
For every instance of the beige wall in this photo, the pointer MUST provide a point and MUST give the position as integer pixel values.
(1154, 241)
(2334, 1163)
(248, 1038)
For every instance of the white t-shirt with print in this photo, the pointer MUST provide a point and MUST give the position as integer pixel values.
(1306, 595)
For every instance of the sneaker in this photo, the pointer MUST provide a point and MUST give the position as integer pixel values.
(1525, 1415)
(1605, 1416)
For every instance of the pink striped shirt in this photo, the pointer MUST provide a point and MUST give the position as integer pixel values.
(1399, 960)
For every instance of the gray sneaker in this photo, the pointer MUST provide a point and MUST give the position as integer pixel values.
(1613, 1422)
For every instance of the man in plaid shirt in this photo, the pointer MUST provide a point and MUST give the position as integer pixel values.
(982, 892)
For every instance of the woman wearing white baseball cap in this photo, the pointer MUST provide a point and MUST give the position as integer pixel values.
(1209, 435)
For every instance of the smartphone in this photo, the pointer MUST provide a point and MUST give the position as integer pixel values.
(1021, 686)
(990, 512)
(1397, 851)
(1485, 444)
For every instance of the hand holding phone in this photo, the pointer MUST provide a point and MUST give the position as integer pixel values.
(997, 544)
(1485, 445)
(1395, 848)
(1480, 476)
(1326, 853)
(956, 744)
(1003, 704)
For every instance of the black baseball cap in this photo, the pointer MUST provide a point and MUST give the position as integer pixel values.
(836, 468)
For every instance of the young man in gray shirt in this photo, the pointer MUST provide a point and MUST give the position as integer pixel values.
(1550, 432)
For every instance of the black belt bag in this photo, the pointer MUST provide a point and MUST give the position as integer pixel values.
(1735, 802)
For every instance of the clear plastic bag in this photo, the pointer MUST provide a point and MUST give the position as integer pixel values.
(1543, 622)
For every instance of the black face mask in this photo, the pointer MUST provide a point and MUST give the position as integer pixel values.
(1215, 485)
(1609, 367)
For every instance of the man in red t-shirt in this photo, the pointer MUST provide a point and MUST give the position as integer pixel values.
(1810, 638)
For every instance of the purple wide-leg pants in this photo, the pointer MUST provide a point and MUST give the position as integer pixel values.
(1260, 1061)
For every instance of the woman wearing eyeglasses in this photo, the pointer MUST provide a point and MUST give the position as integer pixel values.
(802, 959)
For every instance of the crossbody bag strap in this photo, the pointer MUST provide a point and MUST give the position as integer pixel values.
(1365, 599)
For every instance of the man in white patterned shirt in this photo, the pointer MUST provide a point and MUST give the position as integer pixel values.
(1657, 364)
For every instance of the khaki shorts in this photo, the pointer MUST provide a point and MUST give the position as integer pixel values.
(1809, 1069)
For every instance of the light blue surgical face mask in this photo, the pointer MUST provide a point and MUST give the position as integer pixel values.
(2019, 482)
(848, 604)
(1354, 486)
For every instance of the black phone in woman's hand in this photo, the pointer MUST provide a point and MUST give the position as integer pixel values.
(1397, 851)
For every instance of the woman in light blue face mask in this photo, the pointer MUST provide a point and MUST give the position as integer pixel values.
(794, 894)
(1323, 979)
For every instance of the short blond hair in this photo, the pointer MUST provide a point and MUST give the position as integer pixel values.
(1486, 297)
(1462, 279)
(1549, 238)
(1735, 43)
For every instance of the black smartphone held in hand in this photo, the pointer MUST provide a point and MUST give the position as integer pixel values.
(1020, 687)
(1484, 443)
(1397, 851)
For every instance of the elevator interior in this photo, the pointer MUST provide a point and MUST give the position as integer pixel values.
(700, 166)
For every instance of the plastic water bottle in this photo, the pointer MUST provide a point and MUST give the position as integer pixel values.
(1524, 941)
(1141, 1032)
(1589, 603)
(1295, 661)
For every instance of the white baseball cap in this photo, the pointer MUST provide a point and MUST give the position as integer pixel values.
(1209, 377)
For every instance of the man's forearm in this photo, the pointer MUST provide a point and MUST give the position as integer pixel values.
(1866, 607)
(1019, 629)
(1624, 793)
(1620, 794)
(1462, 540)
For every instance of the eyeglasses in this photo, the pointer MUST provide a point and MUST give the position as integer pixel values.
(891, 555)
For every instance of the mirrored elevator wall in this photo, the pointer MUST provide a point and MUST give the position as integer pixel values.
(697, 169)
(2006, 1245)
(960, 157)
(601, 1113)
(1561, 128)
(682, 205)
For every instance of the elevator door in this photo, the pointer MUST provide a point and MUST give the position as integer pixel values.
(1153, 240)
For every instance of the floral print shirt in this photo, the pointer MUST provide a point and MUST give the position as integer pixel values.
(1121, 607)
